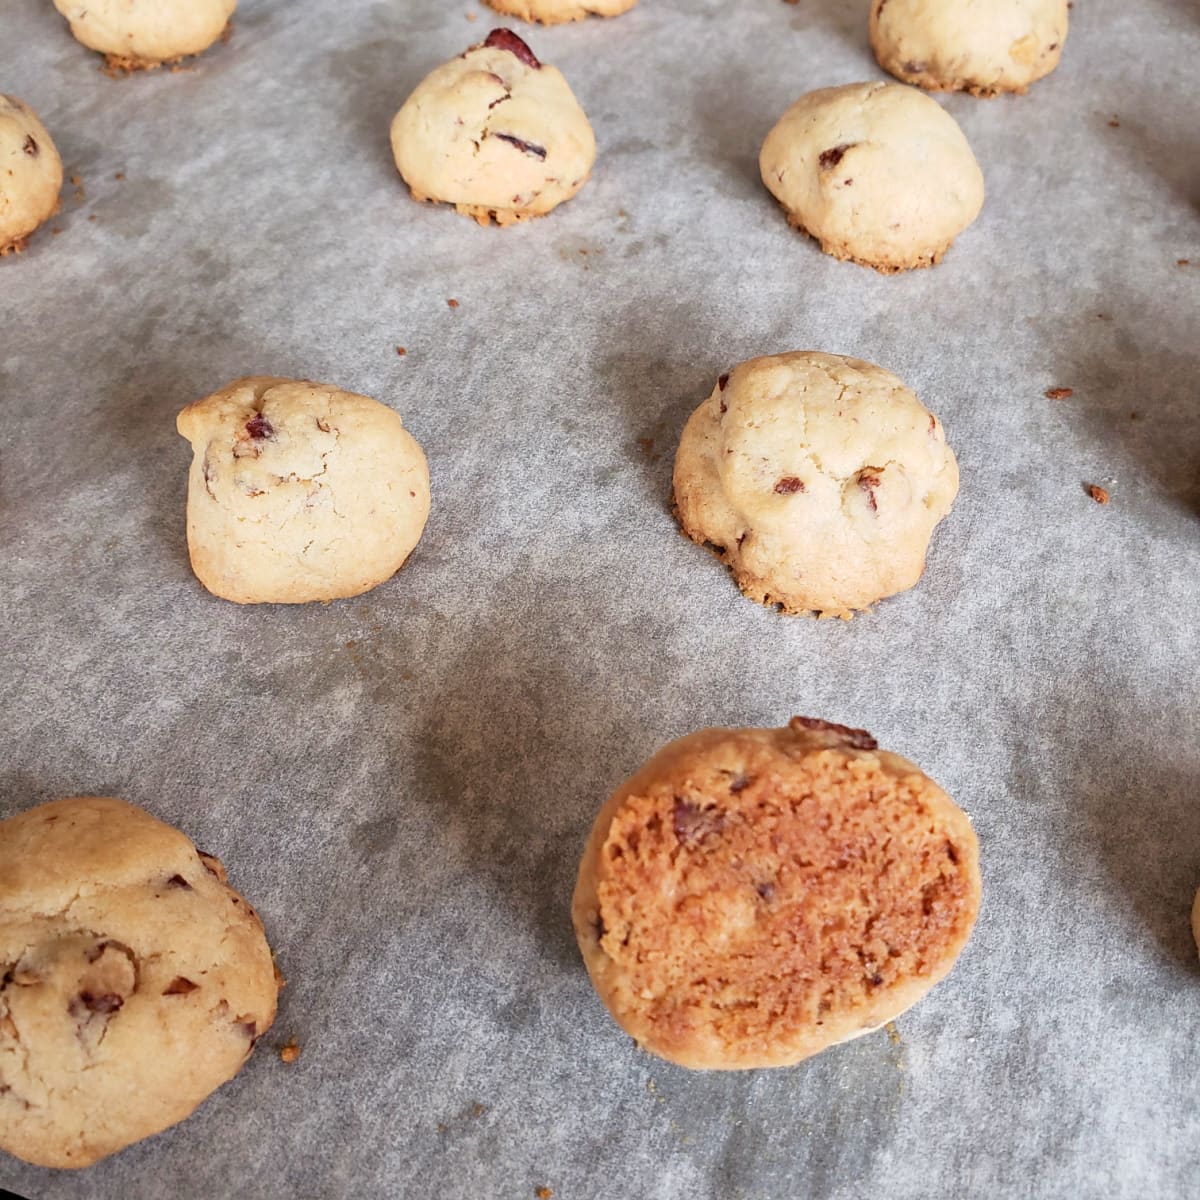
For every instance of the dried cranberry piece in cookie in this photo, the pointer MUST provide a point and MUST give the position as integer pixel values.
(856, 739)
(259, 427)
(505, 39)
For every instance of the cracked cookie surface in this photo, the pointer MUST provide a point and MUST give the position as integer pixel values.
(496, 133)
(134, 980)
(555, 12)
(817, 479)
(987, 47)
(751, 897)
(31, 174)
(299, 491)
(878, 173)
(139, 34)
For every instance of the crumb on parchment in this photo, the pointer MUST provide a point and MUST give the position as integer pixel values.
(1097, 493)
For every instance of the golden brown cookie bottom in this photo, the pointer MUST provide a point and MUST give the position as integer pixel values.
(842, 252)
(523, 9)
(503, 217)
(751, 586)
(118, 65)
(18, 244)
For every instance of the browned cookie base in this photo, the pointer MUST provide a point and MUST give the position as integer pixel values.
(751, 586)
(520, 10)
(842, 252)
(18, 244)
(116, 66)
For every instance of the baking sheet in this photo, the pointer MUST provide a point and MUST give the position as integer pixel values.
(402, 783)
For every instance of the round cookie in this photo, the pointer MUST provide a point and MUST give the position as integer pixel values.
(877, 173)
(753, 896)
(299, 491)
(136, 35)
(817, 479)
(554, 12)
(133, 980)
(985, 47)
(30, 174)
(495, 133)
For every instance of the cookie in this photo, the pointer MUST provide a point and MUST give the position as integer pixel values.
(817, 479)
(554, 12)
(31, 174)
(877, 173)
(299, 491)
(986, 47)
(751, 897)
(138, 35)
(134, 980)
(495, 133)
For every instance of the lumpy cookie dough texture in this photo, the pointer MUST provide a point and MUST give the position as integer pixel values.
(985, 46)
(554, 12)
(31, 174)
(877, 173)
(140, 34)
(496, 133)
(134, 980)
(753, 896)
(299, 491)
(817, 479)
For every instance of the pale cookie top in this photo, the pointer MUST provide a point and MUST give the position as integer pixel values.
(30, 173)
(494, 130)
(985, 47)
(820, 477)
(300, 491)
(147, 31)
(554, 12)
(752, 896)
(876, 172)
(133, 979)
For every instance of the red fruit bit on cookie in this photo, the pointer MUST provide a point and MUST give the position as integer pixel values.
(259, 427)
(530, 148)
(31, 147)
(830, 158)
(869, 481)
(856, 739)
(692, 823)
(789, 485)
(505, 39)
(109, 1002)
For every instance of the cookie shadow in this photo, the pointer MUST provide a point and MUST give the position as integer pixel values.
(657, 392)
(510, 756)
(379, 74)
(1136, 818)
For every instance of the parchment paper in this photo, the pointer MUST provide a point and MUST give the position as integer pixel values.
(402, 783)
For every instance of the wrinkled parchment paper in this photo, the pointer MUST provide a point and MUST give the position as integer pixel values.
(402, 783)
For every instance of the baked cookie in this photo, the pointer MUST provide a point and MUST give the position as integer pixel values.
(554, 12)
(982, 46)
(30, 174)
(495, 133)
(816, 479)
(878, 173)
(133, 980)
(137, 35)
(299, 491)
(753, 896)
